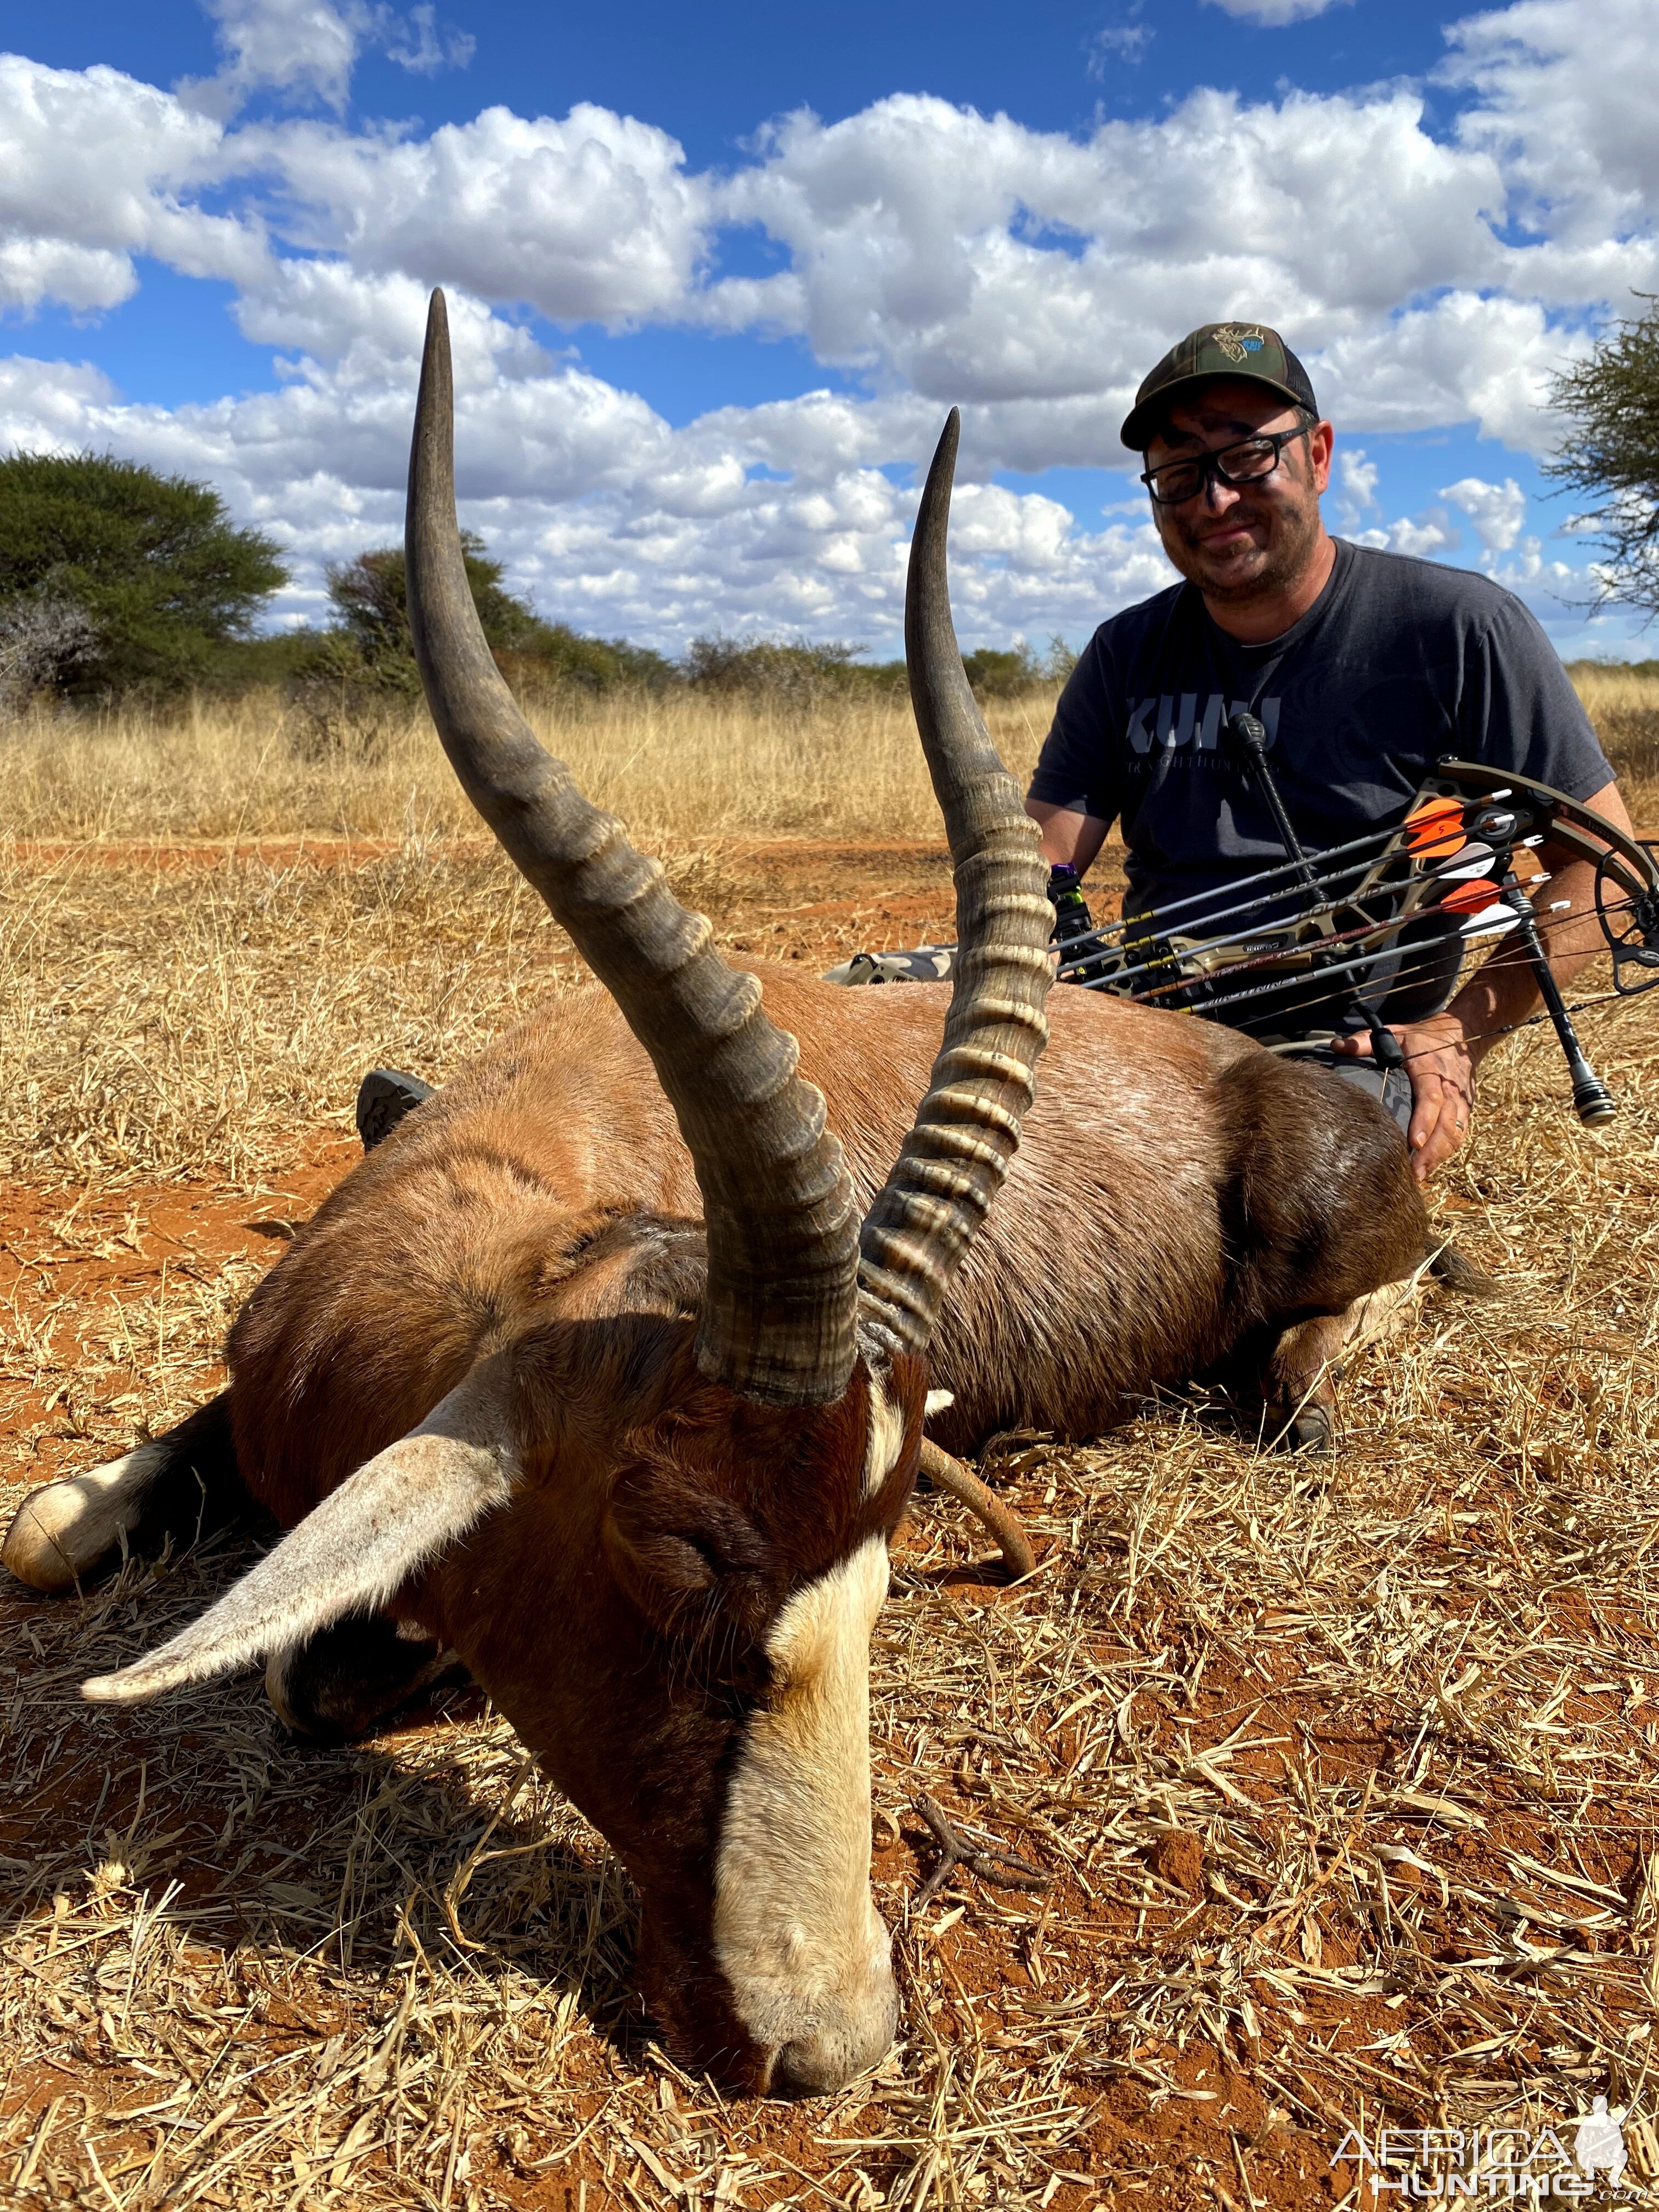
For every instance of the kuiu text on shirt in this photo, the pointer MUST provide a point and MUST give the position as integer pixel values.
(1172, 718)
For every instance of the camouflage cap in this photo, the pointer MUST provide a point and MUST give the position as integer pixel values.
(1248, 352)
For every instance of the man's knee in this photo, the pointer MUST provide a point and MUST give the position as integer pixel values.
(1391, 1087)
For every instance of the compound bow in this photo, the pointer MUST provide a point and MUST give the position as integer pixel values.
(1397, 905)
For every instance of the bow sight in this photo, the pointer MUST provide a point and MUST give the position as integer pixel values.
(1334, 932)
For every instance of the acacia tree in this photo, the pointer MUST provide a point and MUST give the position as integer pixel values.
(158, 577)
(1612, 453)
(370, 598)
(370, 640)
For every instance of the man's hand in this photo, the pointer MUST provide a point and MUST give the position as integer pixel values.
(1441, 1066)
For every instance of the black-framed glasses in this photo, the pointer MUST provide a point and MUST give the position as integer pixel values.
(1248, 462)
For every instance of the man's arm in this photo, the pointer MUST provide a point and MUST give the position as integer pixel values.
(1067, 834)
(1443, 1051)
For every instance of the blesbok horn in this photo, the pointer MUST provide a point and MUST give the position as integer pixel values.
(967, 1128)
(778, 1321)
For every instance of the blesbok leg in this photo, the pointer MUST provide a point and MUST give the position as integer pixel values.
(1299, 1385)
(181, 1486)
(386, 1097)
(1298, 1389)
(333, 1688)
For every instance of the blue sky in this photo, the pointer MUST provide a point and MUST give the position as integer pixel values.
(713, 74)
(717, 274)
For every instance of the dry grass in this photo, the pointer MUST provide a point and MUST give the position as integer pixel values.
(675, 765)
(174, 1012)
(1623, 705)
(177, 1018)
(1346, 1768)
(678, 764)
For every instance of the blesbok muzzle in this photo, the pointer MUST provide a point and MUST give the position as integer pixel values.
(778, 1972)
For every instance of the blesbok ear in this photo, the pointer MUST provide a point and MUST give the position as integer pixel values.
(355, 1551)
(686, 1558)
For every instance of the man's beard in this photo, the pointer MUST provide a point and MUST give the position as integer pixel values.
(1293, 537)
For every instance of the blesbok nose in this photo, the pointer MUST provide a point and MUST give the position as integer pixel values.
(845, 2040)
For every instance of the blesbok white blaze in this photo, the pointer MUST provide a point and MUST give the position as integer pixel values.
(793, 1915)
(795, 1922)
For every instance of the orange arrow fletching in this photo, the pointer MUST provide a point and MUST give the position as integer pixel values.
(1470, 897)
(1435, 832)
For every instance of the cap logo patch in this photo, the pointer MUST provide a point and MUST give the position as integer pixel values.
(1237, 343)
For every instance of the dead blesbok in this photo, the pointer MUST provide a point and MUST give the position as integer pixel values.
(607, 1371)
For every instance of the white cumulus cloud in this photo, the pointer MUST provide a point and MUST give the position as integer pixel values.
(1356, 480)
(970, 256)
(1422, 534)
(1567, 95)
(1469, 356)
(592, 218)
(307, 49)
(610, 517)
(1497, 511)
(97, 167)
(303, 47)
(423, 47)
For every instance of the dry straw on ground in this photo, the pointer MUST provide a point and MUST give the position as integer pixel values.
(1345, 1769)
(1623, 704)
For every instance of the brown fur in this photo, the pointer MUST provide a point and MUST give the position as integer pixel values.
(1178, 1195)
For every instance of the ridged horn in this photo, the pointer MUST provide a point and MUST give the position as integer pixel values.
(779, 1322)
(967, 1128)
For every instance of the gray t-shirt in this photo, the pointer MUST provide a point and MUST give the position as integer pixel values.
(1397, 663)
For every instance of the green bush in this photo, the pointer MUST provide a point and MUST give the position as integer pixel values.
(147, 571)
(370, 598)
(800, 673)
(558, 658)
(351, 681)
(996, 675)
(778, 668)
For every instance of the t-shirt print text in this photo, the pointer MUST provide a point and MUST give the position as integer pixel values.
(1173, 718)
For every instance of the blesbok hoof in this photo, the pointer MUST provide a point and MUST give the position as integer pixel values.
(1309, 1429)
(62, 1532)
(384, 1096)
(336, 1686)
